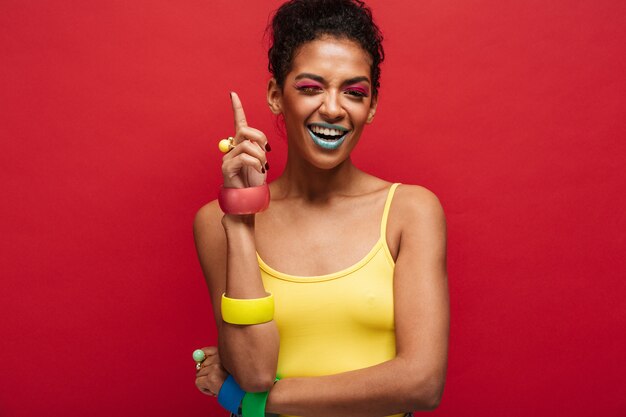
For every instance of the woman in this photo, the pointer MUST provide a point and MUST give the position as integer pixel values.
(355, 265)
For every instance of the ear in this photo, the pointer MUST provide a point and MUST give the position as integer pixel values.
(274, 97)
(372, 111)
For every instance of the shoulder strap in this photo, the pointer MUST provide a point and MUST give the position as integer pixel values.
(383, 223)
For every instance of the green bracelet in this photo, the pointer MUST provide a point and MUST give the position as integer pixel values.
(253, 404)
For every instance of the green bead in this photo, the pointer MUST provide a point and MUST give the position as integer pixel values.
(198, 355)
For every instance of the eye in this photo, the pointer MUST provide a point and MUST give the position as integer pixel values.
(309, 88)
(356, 92)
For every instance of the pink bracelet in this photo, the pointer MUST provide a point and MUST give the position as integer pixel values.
(244, 200)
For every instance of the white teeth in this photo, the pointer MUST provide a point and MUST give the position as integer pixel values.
(326, 131)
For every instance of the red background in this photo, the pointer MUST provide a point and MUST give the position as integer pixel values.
(512, 112)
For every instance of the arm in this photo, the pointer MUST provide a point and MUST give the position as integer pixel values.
(227, 253)
(414, 380)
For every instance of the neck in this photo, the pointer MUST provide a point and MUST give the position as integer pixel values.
(301, 179)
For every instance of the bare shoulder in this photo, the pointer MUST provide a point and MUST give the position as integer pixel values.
(208, 218)
(415, 215)
(414, 203)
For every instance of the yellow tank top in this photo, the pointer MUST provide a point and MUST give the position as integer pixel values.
(337, 322)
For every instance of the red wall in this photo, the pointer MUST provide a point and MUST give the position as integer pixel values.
(512, 112)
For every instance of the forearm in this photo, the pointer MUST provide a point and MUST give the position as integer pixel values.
(392, 387)
(249, 353)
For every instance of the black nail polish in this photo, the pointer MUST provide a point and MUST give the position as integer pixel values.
(231, 95)
(267, 166)
(268, 148)
(262, 170)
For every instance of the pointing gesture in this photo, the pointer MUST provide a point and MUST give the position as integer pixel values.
(245, 164)
(238, 113)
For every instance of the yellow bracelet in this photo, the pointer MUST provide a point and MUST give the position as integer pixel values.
(247, 311)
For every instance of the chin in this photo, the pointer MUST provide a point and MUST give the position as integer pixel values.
(327, 165)
(326, 160)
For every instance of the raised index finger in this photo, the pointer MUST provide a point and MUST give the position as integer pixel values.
(240, 116)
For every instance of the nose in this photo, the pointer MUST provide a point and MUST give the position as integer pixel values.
(331, 108)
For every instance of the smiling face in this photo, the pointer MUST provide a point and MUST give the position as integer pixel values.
(326, 100)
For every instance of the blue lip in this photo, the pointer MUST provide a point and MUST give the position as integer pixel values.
(327, 144)
(329, 126)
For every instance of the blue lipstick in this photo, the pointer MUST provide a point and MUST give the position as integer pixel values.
(326, 144)
(330, 144)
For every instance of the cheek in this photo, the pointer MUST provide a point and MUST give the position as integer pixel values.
(359, 113)
(299, 110)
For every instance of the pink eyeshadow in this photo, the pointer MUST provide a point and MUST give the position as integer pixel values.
(360, 89)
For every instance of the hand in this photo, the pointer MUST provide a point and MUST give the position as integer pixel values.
(244, 165)
(211, 375)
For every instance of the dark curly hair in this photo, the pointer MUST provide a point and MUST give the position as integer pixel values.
(297, 22)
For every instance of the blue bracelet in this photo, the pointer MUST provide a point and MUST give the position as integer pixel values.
(231, 395)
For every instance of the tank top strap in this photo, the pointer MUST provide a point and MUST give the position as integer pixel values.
(383, 223)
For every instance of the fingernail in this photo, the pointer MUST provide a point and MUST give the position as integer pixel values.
(267, 166)
(231, 95)
(263, 170)
(268, 148)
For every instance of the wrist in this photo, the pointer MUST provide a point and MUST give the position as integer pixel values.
(273, 404)
(237, 220)
(234, 399)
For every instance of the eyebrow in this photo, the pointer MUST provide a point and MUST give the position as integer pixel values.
(321, 79)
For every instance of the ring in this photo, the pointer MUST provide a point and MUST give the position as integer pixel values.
(227, 144)
(199, 357)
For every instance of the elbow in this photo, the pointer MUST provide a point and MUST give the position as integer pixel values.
(254, 377)
(256, 383)
(433, 401)
(251, 377)
(426, 396)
